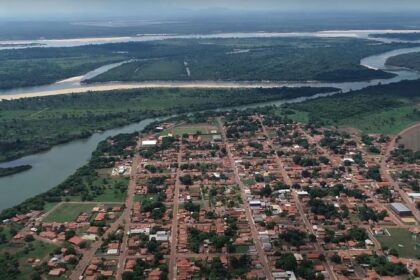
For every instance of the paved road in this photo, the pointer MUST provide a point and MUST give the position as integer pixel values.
(262, 256)
(174, 231)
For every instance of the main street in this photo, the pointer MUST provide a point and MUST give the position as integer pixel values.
(174, 231)
(261, 254)
(289, 182)
(90, 253)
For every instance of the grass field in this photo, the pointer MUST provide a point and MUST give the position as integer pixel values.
(143, 198)
(389, 122)
(110, 195)
(68, 212)
(401, 240)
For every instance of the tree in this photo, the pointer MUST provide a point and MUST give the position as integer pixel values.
(287, 262)
(29, 238)
(336, 258)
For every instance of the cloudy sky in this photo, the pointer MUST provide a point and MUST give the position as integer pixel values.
(77, 8)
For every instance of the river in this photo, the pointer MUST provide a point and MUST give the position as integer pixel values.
(52, 167)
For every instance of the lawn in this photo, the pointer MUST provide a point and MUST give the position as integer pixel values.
(242, 249)
(40, 250)
(188, 130)
(68, 212)
(110, 195)
(401, 240)
(143, 198)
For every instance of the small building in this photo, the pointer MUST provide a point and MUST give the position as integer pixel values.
(255, 204)
(217, 138)
(400, 209)
(149, 143)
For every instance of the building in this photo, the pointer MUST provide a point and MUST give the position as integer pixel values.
(148, 143)
(400, 209)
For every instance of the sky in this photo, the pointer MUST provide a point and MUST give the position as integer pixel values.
(105, 8)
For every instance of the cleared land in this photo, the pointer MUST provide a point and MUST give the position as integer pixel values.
(68, 212)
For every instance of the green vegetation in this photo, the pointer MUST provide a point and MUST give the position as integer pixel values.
(38, 66)
(385, 109)
(85, 184)
(402, 36)
(13, 170)
(250, 59)
(68, 212)
(14, 261)
(35, 124)
(409, 60)
(402, 241)
(382, 266)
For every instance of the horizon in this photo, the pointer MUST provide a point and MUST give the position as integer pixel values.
(103, 9)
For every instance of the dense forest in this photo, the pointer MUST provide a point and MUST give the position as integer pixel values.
(39, 66)
(246, 59)
(409, 60)
(13, 170)
(35, 124)
(401, 36)
(250, 59)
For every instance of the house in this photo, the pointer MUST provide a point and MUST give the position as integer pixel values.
(75, 240)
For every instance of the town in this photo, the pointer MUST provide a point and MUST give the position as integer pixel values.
(238, 195)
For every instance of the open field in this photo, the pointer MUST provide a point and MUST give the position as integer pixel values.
(410, 138)
(68, 212)
(401, 240)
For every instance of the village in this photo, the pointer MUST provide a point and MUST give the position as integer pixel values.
(236, 196)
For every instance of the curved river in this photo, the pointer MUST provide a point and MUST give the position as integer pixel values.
(51, 167)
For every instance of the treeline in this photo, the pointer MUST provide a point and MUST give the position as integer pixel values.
(13, 170)
(77, 116)
(374, 99)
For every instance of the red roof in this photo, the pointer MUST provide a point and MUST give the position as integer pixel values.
(76, 240)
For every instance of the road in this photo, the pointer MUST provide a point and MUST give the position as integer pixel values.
(174, 232)
(90, 253)
(261, 254)
(289, 182)
(387, 176)
(126, 216)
